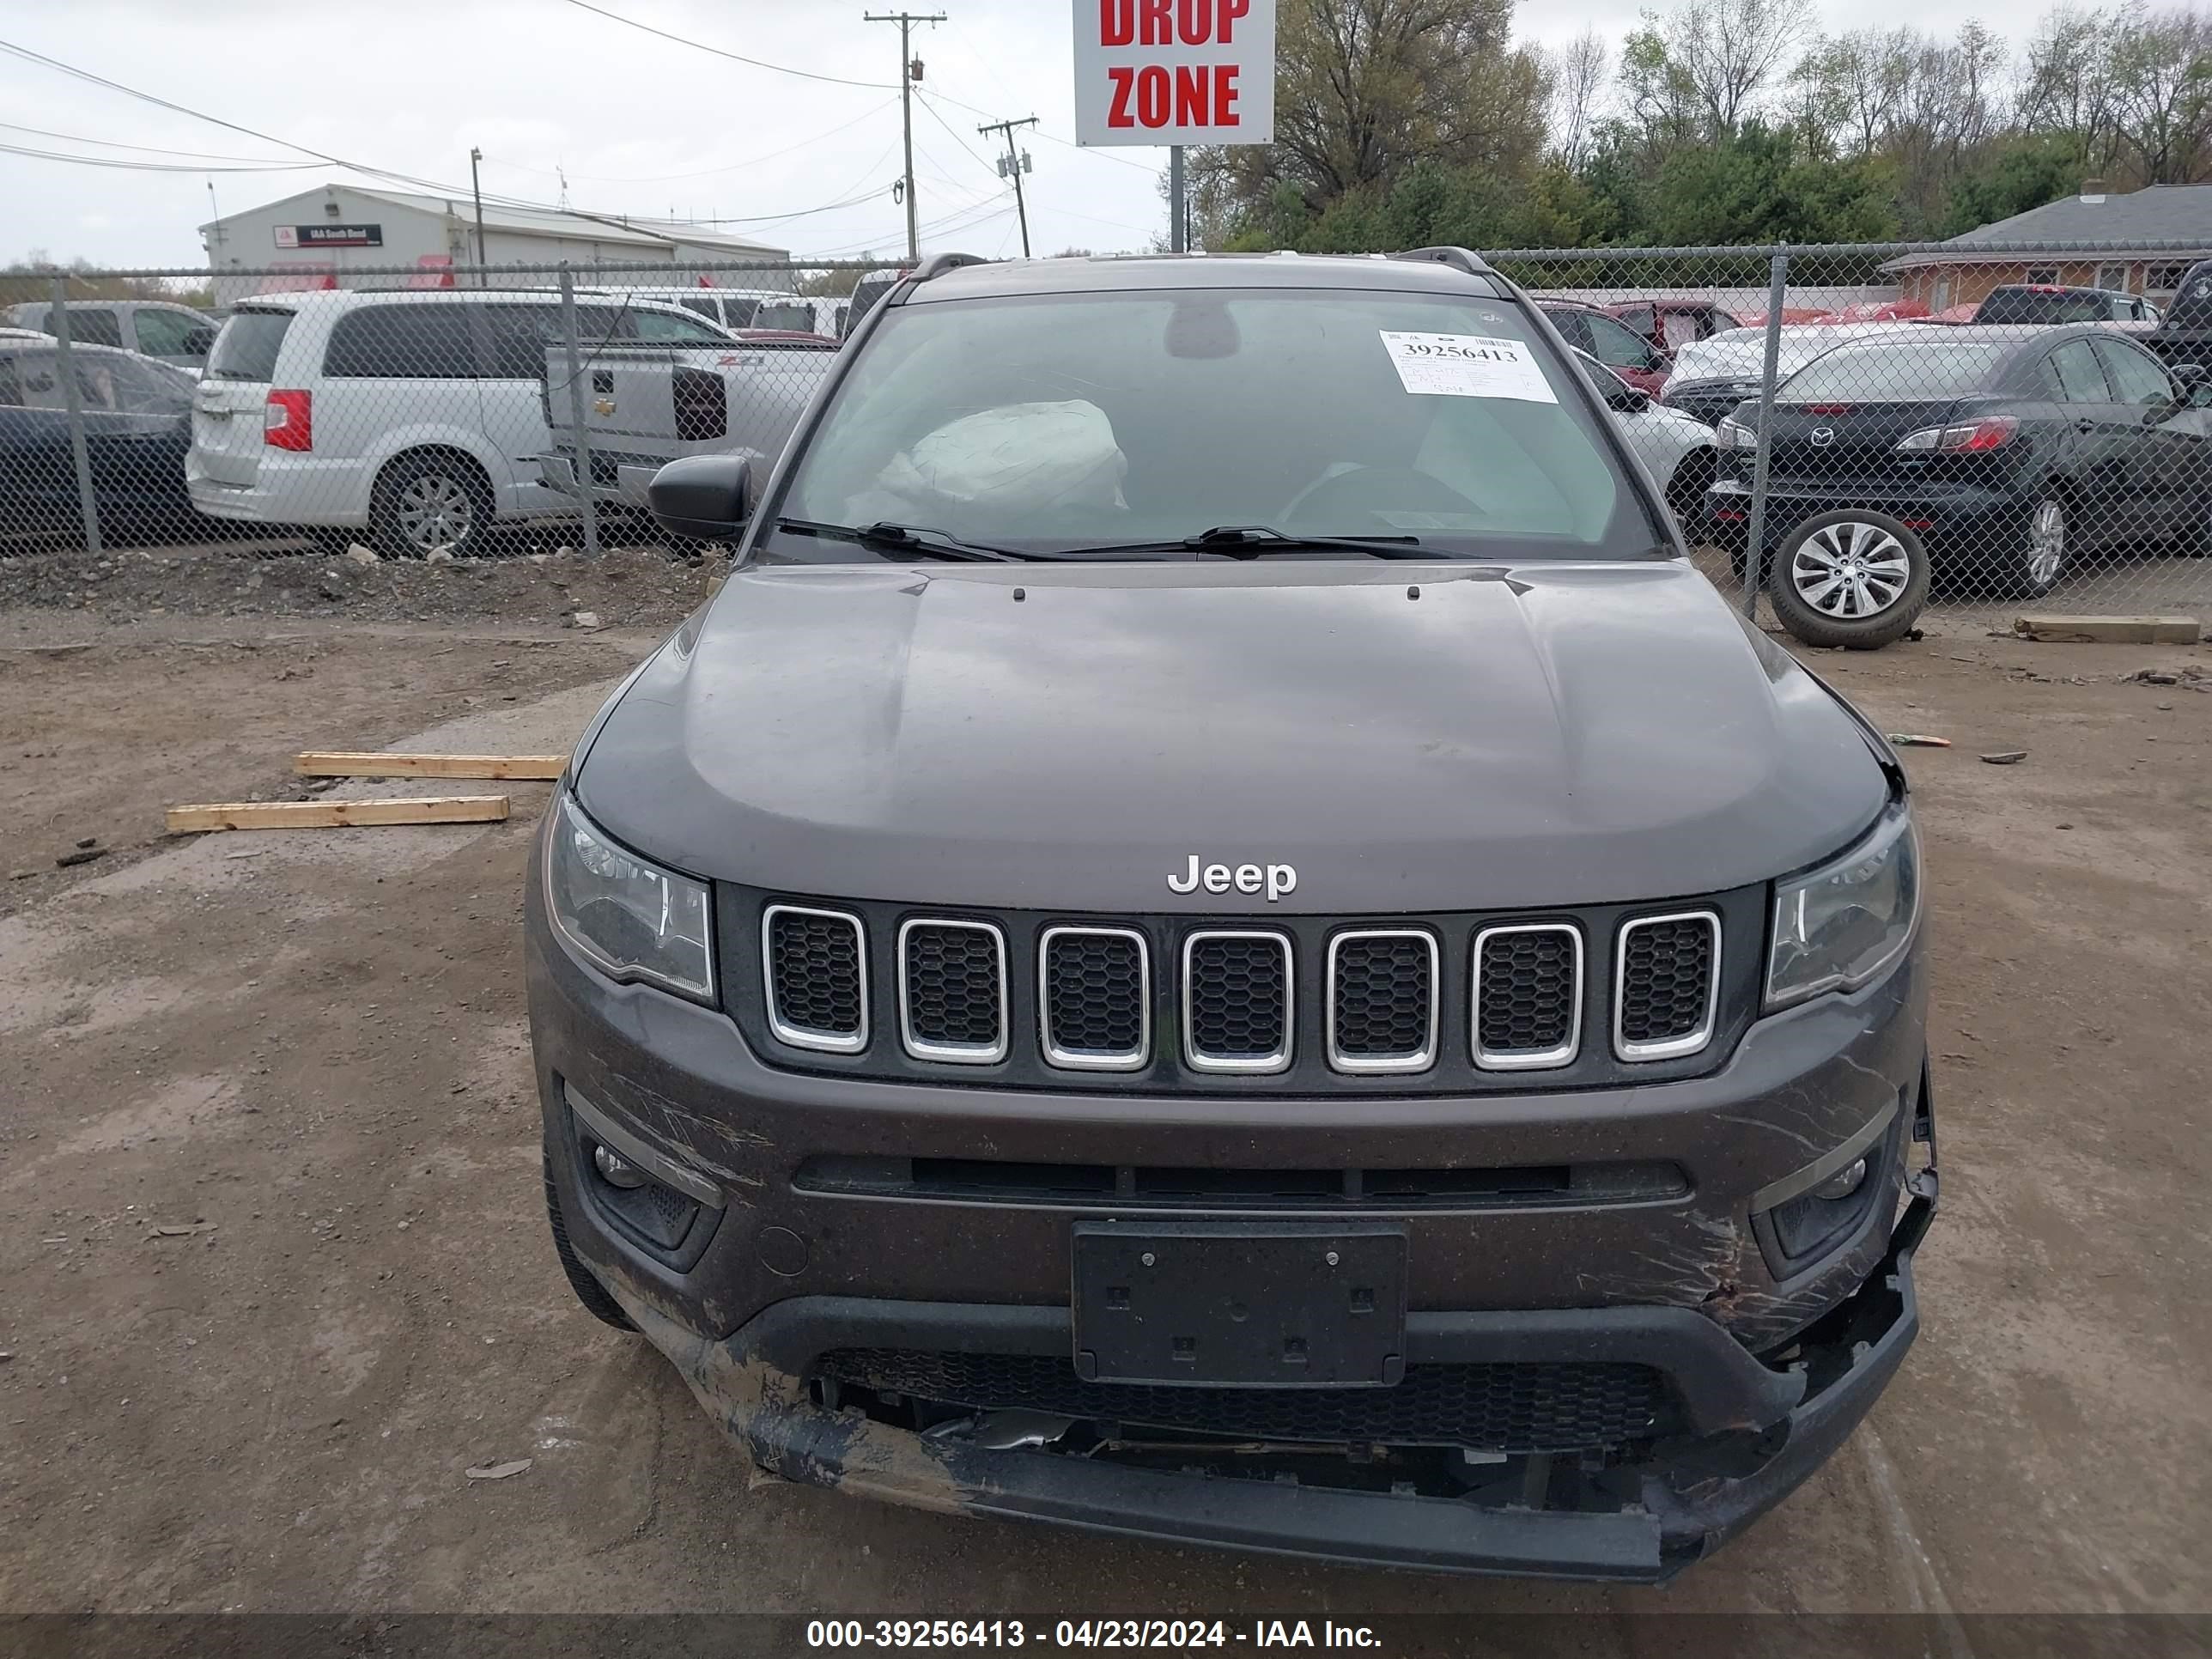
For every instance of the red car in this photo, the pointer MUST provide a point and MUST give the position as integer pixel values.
(1670, 325)
(1612, 342)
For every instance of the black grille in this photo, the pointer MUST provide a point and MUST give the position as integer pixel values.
(1569, 1406)
(953, 994)
(1238, 997)
(1383, 997)
(1527, 988)
(814, 970)
(1665, 979)
(1094, 994)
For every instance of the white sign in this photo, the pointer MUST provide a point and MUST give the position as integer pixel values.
(1175, 72)
(1466, 366)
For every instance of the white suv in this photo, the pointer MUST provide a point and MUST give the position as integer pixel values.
(414, 416)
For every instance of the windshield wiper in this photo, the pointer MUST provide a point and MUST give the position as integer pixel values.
(903, 538)
(1254, 541)
(1258, 541)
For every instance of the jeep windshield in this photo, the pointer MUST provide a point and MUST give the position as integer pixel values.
(1092, 424)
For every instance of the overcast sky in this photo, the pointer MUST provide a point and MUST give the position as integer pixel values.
(640, 124)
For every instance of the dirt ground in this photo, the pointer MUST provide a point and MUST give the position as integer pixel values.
(277, 1270)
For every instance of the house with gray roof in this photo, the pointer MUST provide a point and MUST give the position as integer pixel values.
(2140, 242)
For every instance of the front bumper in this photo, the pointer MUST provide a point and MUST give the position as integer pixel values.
(1770, 1372)
(1672, 1512)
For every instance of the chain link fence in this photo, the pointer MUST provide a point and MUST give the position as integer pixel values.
(1971, 431)
(457, 413)
(1897, 429)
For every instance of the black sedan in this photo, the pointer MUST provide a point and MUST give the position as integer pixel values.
(1991, 459)
(138, 425)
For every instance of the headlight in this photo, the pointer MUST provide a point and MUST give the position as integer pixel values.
(632, 919)
(1732, 433)
(1843, 924)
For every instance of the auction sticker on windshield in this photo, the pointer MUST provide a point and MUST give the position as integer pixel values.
(1466, 366)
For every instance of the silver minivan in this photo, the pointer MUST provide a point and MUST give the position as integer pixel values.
(414, 416)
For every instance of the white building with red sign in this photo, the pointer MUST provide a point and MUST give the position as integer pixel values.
(313, 240)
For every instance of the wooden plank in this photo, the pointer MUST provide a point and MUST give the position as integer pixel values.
(343, 763)
(337, 814)
(2110, 630)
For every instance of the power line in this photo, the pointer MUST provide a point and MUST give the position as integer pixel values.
(122, 164)
(955, 136)
(735, 57)
(148, 150)
(703, 173)
(436, 186)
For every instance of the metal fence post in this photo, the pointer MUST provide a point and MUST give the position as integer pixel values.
(576, 411)
(87, 504)
(1754, 555)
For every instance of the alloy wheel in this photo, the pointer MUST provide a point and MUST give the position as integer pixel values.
(2046, 544)
(1850, 569)
(435, 511)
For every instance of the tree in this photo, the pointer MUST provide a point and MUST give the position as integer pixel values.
(1712, 58)
(1579, 71)
(2159, 72)
(2025, 173)
(1366, 88)
(1860, 79)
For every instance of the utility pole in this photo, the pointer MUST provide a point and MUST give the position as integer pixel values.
(1012, 168)
(1178, 231)
(909, 72)
(475, 188)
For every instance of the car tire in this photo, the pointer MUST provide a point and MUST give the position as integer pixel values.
(589, 1291)
(2024, 566)
(430, 501)
(1852, 577)
(1686, 493)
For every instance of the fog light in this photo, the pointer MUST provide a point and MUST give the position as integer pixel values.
(1842, 1184)
(620, 1172)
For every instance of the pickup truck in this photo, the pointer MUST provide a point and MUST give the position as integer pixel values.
(648, 405)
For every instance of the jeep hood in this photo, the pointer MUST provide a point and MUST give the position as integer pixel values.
(1410, 738)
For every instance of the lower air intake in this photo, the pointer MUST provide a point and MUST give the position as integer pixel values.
(1568, 1406)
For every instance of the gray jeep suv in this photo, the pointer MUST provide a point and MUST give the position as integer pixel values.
(1215, 936)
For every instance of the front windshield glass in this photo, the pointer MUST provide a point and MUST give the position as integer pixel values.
(1055, 424)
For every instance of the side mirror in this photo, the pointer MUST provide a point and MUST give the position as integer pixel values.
(708, 497)
(1625, 400)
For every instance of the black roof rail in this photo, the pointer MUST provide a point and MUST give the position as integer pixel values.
(938, 264)
(1459, 258)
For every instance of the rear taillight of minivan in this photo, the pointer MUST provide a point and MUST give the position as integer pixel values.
(289, 420)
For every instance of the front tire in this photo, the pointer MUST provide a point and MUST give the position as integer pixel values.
(431, 502)
(1852, 577)
(589, 1291)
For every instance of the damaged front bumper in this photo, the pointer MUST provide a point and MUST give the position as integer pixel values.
(1754, 1430)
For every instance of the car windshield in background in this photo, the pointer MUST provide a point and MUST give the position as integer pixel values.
(1060, 422)
(1921, 371)
(797, 317)
(247, 347)
(2013, 306)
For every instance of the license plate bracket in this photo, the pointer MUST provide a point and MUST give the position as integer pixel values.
(1228, 1305)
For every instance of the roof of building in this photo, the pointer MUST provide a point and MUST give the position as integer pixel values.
(627, 230)
(2174, 219)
